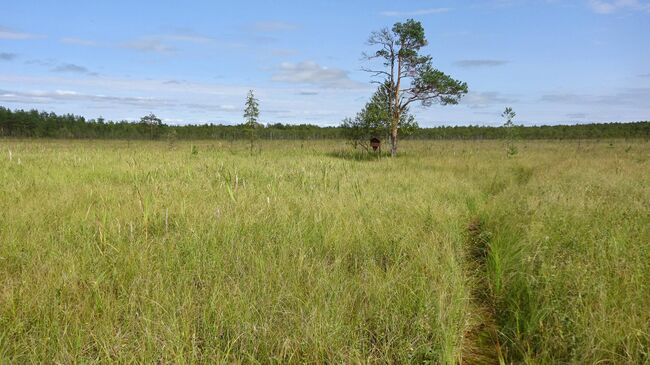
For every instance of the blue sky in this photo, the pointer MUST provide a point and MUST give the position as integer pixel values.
(553, 61)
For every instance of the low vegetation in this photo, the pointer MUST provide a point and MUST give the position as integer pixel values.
(453, 252)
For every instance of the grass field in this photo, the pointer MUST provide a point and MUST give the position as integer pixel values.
(199, 252)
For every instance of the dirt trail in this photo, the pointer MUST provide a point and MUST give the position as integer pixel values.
(481, 344)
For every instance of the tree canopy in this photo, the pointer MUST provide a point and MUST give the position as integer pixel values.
(408, 75)
(252, 110)
(251, 114)
(374, 120)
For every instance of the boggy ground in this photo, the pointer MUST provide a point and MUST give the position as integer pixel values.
(302, 252)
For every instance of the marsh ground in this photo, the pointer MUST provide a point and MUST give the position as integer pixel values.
(185, 252)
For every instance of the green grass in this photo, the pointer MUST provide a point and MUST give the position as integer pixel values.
(306, 253)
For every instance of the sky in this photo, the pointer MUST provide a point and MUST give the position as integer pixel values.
(552, 61)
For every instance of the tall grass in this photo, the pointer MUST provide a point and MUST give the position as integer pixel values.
(570, 256)
(201, 252)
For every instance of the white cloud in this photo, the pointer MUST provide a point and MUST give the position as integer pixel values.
(78, 41)
(166, 43)
(158, 43)
(309, 72)
(307, 93)
(56, 66)
(38, 97)
(415, 12)
(7, 33)
(480, 63)
(635, 97)
(70, 67)
(137, 103)
(273, 26)
(188, 101)
(282, 52)
(155, 45)
(612, 6)
(478, 100)
(188, 38)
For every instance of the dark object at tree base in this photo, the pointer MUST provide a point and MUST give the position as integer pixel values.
(375, 143)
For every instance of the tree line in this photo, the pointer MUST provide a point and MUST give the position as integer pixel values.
(35, 124)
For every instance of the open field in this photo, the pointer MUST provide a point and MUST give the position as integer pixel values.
(153, 252)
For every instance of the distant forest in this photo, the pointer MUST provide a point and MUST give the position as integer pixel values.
(35, 124)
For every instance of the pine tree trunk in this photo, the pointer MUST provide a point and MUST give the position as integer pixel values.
(396, 111)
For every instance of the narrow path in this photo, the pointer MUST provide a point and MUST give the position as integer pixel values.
(481, 344)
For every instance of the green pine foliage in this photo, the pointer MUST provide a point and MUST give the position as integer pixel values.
(251, 116)
(374, 120)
